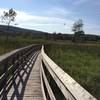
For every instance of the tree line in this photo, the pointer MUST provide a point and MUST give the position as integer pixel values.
(79, 35)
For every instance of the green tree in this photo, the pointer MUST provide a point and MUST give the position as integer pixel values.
(78, 30)
(8, 17)
(78, 26)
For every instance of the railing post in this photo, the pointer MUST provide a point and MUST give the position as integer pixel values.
(42, 50)
(4, 83)
(13, 69)
(12, 63)
(5, 71)
(67, 87)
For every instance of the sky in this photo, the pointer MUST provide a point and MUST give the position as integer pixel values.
(55, 15)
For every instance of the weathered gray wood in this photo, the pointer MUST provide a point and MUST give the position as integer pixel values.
(69, 87)
(42, 85)
(27, 82)
(5, 56)
(32, 89)
(51, 95)
(12, 61)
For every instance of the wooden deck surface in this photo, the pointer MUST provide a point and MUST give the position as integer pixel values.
(27, 84)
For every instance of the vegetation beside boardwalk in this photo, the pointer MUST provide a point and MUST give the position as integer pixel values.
(15, 42)
(80, 61)
(11, 44)
(18, 42)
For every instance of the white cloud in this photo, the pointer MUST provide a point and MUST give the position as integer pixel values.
(58, 12)
(44, 23)
(49, 24)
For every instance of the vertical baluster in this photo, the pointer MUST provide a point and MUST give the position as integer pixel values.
(5, 80)
(13, 63)
(17, 66)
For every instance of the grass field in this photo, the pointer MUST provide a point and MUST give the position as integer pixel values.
(11, 44)
(17, 42)
(82, 62)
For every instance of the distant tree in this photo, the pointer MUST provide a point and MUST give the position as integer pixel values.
(78, 30)
(8, 17)
(78, 26)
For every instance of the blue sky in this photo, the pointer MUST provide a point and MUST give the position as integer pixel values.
(50, 15)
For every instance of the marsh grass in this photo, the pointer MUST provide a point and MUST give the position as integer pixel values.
(16, 42)
(82, 62)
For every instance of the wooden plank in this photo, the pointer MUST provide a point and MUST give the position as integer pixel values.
(65, 92)
(27, 84)
(62, 78)
(50, 92)
(42, 86)
(7, 55)
(11, 62)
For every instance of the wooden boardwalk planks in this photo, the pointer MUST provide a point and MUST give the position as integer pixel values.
(27, 84)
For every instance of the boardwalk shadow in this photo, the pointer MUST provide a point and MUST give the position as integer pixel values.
(15, 88)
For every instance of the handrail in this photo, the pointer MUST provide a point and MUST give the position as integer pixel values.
(13, 61)
(70, 89)
(50, 92)
(52, 76)
(7, 55)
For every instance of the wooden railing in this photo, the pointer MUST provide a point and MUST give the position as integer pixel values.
(11, 62)
(58, 85)
(55, 83)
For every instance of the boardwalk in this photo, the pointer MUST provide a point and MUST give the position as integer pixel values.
(27, 84)
(29, 74)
